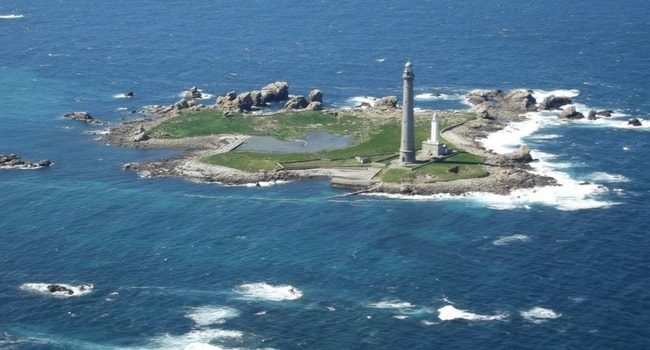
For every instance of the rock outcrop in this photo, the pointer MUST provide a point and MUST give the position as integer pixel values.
(296, 102)
(386, 102)
(274, 92)
(193, 93)
(554, 102)
(85, 117)
(316, 95)
(634, 122)
(14, 161)
(490, 104)
(570, 112)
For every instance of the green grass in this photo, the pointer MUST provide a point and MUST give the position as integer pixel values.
(377, 140)
(201, 123)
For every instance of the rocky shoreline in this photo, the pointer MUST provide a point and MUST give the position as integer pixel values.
(505, 172)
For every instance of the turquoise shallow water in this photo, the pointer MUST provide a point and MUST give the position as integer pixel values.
(175, 264)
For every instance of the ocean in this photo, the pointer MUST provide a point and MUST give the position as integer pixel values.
(168, 263)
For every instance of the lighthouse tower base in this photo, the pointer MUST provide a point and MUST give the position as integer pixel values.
(434, 148)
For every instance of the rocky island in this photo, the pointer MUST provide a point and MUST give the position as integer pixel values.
(13, 161)
(492, 111)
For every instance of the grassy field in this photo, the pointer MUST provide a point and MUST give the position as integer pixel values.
(376, 140)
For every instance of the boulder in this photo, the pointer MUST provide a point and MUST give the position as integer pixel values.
(275, 92)
(314, 106)
(605, 113)
(634, 122)
(479, 96)
(316, 96)
(57, 288)
(234, 102)
(554, 102)
(570, 113)
(386, 102)
(245, 101)
(193, 92)
(592, 114)
(14, 161)
(519, 101)
(296, 102)
(256, 96)
(184, 104)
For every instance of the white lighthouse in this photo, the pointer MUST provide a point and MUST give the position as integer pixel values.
(432, 147)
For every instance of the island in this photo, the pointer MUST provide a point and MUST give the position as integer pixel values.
(381, 153)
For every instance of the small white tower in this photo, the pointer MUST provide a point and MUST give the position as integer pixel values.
(432, 147)
(434, 129)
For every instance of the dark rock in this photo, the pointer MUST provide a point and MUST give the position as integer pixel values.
(296, 102)
(570, 113)
(605, 113)
(554, 102)
(634, 122)
(386, 102)
(256, 97)
(84, 116)
(14, 161)
(56, 288)
(193, 92)
(592, 114)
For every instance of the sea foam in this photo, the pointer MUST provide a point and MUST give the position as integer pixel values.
(504, 240)
(11, 16)
(539, 315)
(207, 315)
(449, 313)
(390, 304)
(267, 292)
(196, 339)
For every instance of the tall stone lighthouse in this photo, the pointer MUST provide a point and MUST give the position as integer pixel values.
(407, 147)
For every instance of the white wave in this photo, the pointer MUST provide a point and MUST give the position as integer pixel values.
(605, 177)
(264, 183)
(449, 312)
(503, 240)
(264, 291)
(207, 315)
(123, 95)
(539, 315)
(545, 137)
(58, 289)
(437, 96)
(195, 339)
(361, 101)
(510, 138)
(11, 16)
(391, 304)
(540, 95)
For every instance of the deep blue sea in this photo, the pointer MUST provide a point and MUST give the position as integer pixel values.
(173, 264)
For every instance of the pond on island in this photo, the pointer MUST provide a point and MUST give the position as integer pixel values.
(312, 142)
